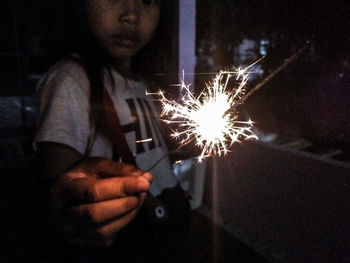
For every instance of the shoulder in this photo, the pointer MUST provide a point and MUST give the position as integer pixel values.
(69, 65)
(67, 73)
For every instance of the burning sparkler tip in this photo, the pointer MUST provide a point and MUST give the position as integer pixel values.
(210, 120)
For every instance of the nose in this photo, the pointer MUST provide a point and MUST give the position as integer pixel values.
(131, 12)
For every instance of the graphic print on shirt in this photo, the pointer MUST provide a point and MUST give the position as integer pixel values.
(149, 122)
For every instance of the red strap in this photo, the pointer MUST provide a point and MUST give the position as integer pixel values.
(115, 131)
(156, 209)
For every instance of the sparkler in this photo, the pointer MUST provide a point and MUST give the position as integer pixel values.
(211, 119)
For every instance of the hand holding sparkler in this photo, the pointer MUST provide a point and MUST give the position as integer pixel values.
(96, 198)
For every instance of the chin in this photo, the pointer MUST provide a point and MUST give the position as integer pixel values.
(123, 52)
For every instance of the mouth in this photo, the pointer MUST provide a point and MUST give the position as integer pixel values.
(125, 39)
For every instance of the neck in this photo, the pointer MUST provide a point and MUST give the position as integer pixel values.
(124, 68)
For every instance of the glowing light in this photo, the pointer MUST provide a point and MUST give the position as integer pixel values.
(211, 119)
(145, 140)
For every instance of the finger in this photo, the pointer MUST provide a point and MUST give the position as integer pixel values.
(143, 197)
(148, 176)
(101, 235)
(89, 190)
(109, 230)
(102, 167)
(106, 167)
(100, 212)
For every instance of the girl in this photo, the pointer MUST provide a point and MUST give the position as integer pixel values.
(97, 202)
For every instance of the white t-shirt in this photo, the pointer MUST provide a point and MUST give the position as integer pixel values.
(64, 118)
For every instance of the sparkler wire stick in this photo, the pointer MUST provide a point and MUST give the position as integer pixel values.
(287, 61)
(211, 118)
(154, 207)
(160, 159)
(156, 163)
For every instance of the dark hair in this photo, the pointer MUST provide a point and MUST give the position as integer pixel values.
(69, 33)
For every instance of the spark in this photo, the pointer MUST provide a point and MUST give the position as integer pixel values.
(210, 120)
(145, 140)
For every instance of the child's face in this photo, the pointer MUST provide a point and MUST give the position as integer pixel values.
(123, 27)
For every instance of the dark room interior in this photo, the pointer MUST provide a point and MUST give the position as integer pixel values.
(281, 198)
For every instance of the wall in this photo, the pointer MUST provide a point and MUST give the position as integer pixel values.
(288, 205)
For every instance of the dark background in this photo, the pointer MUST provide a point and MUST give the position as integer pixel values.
(309, 99)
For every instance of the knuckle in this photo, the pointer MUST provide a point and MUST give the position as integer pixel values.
(101, 162)
(93, 214)
(127, 169)
(148, 176)
(93, 193)
(131, 203)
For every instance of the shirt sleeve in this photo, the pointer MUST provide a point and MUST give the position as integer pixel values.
(64, 107)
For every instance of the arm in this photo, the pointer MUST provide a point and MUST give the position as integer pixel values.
(95, 198)
(54, 159)
(91, 199)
